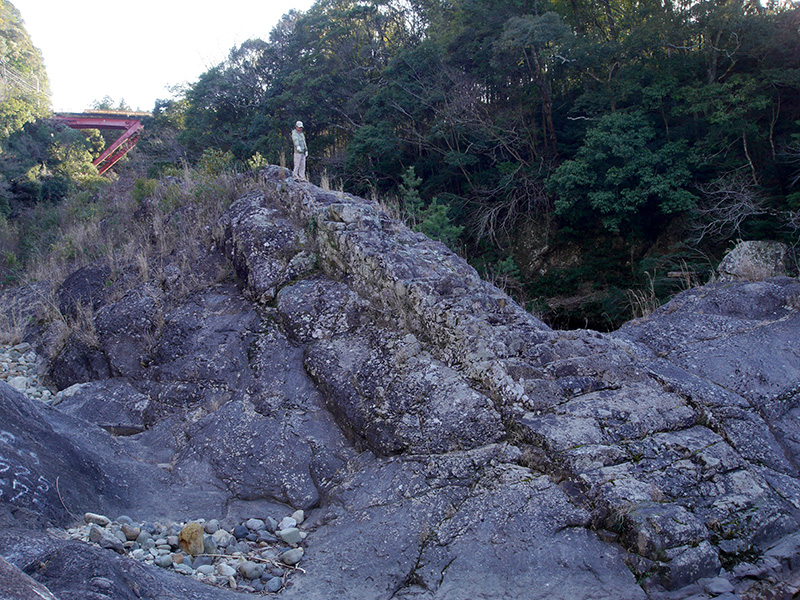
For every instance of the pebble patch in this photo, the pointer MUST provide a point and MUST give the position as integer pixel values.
(250, 557)
(19, 368)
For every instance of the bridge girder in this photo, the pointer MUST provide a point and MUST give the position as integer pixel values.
(128, 122)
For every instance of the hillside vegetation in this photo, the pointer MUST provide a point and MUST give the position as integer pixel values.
(576, 153)
(19, 106)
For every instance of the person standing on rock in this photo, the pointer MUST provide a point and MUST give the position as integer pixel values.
(300, 151)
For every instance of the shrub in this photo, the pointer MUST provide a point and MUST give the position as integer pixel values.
(216, 162)
(619, 171)
(144, 188)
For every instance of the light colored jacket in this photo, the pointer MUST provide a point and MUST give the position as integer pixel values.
(299, 140)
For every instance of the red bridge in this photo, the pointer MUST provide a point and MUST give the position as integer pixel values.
(130, 122)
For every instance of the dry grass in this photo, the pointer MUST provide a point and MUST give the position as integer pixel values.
(644, 302)
(159, 231)
(792, 303)
(142, 265)
(12, 327)
(61, 327)
(754, 271)
(687, 278)
(391, 206)
(82, 325)
(618, 516)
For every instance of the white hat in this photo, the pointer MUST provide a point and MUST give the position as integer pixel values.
(299, 124)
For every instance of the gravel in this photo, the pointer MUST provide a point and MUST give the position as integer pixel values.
(247, 566)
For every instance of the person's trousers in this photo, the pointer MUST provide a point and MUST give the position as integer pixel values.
(299, 171)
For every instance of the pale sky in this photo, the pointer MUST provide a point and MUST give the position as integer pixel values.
(136, 50)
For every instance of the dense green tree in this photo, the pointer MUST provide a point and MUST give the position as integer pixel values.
(40, 160)
(108, 103)
(534, 41)
(44, 161)
(622, 174)
(23, 81)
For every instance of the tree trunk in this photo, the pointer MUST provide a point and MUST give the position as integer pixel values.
(549, 130)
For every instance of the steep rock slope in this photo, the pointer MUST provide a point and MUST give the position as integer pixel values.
(445, 443)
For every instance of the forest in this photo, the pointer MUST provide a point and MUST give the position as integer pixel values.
(576, 153)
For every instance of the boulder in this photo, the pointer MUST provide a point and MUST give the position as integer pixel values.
(126, 328)
(113, 404)
(191, 539)
(265, 248)
(78, 361)
(48, 470)
(756, 261)
(85, 291)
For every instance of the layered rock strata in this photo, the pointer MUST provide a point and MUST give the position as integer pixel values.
(673, 432)
(444, 442)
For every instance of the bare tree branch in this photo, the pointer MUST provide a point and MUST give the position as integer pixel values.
(725, 204)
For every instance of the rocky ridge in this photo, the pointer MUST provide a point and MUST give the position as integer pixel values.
(443, 442)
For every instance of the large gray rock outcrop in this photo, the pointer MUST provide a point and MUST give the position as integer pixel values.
(382, 387)
(458, 525)
(444, 442)
(49, 461)
(591, 407)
